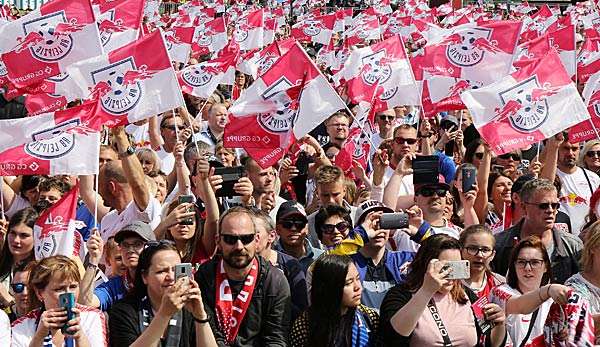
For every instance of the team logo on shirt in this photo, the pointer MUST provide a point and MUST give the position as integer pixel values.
(53, 142)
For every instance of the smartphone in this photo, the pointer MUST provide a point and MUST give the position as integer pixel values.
(183, 270)
(67, 301)
(425, 169)
(469, 175)
(498, 168)
(460, 269)
(302, 163)
(392, 221)
(187, 199)
(230, 177)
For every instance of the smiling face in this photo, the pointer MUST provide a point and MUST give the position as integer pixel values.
(336, 236)
(501, 189)
(592, 158)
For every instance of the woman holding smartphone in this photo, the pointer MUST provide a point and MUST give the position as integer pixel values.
(47, 325)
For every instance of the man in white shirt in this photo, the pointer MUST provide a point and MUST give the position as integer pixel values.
(170, 125)
(214, 127)
(263, 182)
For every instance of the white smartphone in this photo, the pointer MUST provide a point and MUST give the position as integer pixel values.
(460, 269)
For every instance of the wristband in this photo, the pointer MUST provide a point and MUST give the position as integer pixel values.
(202, 321)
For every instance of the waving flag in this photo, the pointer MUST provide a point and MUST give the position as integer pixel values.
(588, 60)
(119, 25)
(591, 95)
(257, 62)
(54, 93)
(563, 40)
(249, 29)
(55, 231)
(362, 29)
(527, 106)
(132, 83)
(42, 43)
(285, 103)
(179, 43)
(202, 79)
(316, 30)
(210, 37)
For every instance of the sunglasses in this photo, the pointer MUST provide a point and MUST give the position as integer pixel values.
(546, 205)
(173, 127)
(512, 156)
(428, 192)
(592, 154)
(289, 224)
(233, 239)
(387, 118)
(330, 228)
(18, 288)
(479, 155)
(401, 140)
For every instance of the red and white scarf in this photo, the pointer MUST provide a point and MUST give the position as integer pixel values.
(230, 312)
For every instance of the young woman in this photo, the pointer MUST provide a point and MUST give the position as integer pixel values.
(332, 224)
(430, 310)
(187, 237)
(227, 156)
(336, 316)
(498, 193)
(48, 279)
(589, 158)
(160, 310)
(478, 244)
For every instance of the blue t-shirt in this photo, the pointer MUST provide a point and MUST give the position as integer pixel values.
(84, 215)
(110, 292)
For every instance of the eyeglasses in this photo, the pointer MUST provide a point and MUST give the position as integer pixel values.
(402, 140)
(534, 263)
(330, 228)
(513, 156)
(545, 205)
(135, 246)
(18, 288)
(474, 250)
(592, 154)
(387, 118)
(173, 127)
(479, 155)
(233, 239)
(429, 192)
(289, 224)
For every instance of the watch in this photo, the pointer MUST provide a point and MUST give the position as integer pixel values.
(130, 150)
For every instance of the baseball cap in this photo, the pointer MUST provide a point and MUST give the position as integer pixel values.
(290, 208)
(368, 207)
(137, 228)
(441, 183)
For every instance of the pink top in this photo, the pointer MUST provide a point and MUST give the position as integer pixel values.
(457, 318)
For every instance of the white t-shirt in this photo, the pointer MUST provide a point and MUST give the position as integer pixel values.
(517, 325)
(167, 160)
(93, 325)
(17, 204)
(114, 221)
(575, 195)
(4, 329)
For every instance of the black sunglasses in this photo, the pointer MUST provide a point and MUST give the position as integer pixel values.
(233, 239)
(384, 117)
(428, 192)
(289, 224)
(401, 140)
(330, 228)
(591, 154)
(513, 156)
(546, 205)
(479, 155)
(18, 288)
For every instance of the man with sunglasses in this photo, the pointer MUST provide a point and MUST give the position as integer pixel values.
(171, 125)
(386, 121)
(539, 201)
(18, 290)
(292, 228)
(246, 298)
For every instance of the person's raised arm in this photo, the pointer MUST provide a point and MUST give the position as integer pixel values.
(483, 174)
(183, 172)
(89, 196)
(468, 200)
(551, 157)
(95, 248)
(8, 194)
(156, 140)
(206, 193)
(391, 192)
(132, 169)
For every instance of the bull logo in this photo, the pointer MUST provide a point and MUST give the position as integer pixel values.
(107, 26)
(54, 142)
(198, 75)
(394, 26)
(121, 95)
(240, 34)
(3, 70)
(312, 27)
(203, 36)
(265, 62)
(57, 79)
(525, 105)
(46, 246)
(375, 68)
(283, 118)
(467, 47)
(47, 38)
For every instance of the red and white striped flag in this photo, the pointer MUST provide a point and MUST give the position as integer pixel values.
(132, 83)
(316, 30)
(119, 23)
(55, 231)
(249, 29)
(527, 106)
(43, 43)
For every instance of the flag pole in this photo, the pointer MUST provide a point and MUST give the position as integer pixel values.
(2, 196)
(96, 200)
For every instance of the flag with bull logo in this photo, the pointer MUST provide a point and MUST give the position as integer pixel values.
(316, 30)
(587, 129)
(210, 37)
(44, 42)
(284, 104)
(179, 43)
(249, 29)
(55, 231)
(53, 93)
(202, 79)
(527, 106)
(120, 23)
(588, 60)
(132, 83)
(257, 62)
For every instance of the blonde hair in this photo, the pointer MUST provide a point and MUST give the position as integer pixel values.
(149, 155)
(592, 241)
(586, 148)
(43, 271)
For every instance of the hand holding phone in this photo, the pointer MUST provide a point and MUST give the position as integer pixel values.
(460, 269)
(469, 175)
(187, 199)
(67, 301)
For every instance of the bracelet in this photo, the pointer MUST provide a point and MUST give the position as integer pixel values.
(202, 321)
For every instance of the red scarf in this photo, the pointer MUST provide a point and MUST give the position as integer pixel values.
(229, 318)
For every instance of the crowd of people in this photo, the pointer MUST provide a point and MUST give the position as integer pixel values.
(477, 249)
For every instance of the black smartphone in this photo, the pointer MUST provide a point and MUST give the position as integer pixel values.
(469, 175)
(390, 221)
(187, 199)
(425, 169)
(302, 163)
(230, 177)
(67, 301)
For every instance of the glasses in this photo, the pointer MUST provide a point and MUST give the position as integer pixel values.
(513, 156)
(474, 250)
(330, 228)
(289, 224)
(135, 246)
(534, 263)
(233, 239)
(173, 127)
(402, 140)
(429, 192)
(339, 125)
(387, 118)
(545, 205)
(18, 288)
(593, 154)
(479, 155)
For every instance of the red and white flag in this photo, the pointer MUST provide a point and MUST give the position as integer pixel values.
(316, 30)
(53, 93)
(257, 62)
(202, 79)
(55, 231)
(285, 103)
(527, 106)
(132, 83)
(179, 43)
(588, 60)
(363, 28)
(343, 18)
(587, 129)
(210, 37)
(249, 29)
(563, 41)
(120, 24)
(269, 32)
(44, 42)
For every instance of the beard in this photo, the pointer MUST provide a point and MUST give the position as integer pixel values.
(238, 259)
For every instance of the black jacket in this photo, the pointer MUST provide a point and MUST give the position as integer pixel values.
(267, 320)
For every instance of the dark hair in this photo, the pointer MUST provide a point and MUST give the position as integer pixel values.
(328, 145)
(26, 216)
(492, 179)
(54, 183)
(330, 211)
(530, 242)
(139, 290)
(326, 324)
(431, 249)
(191, 244)
(30, 182)
(471, 149)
